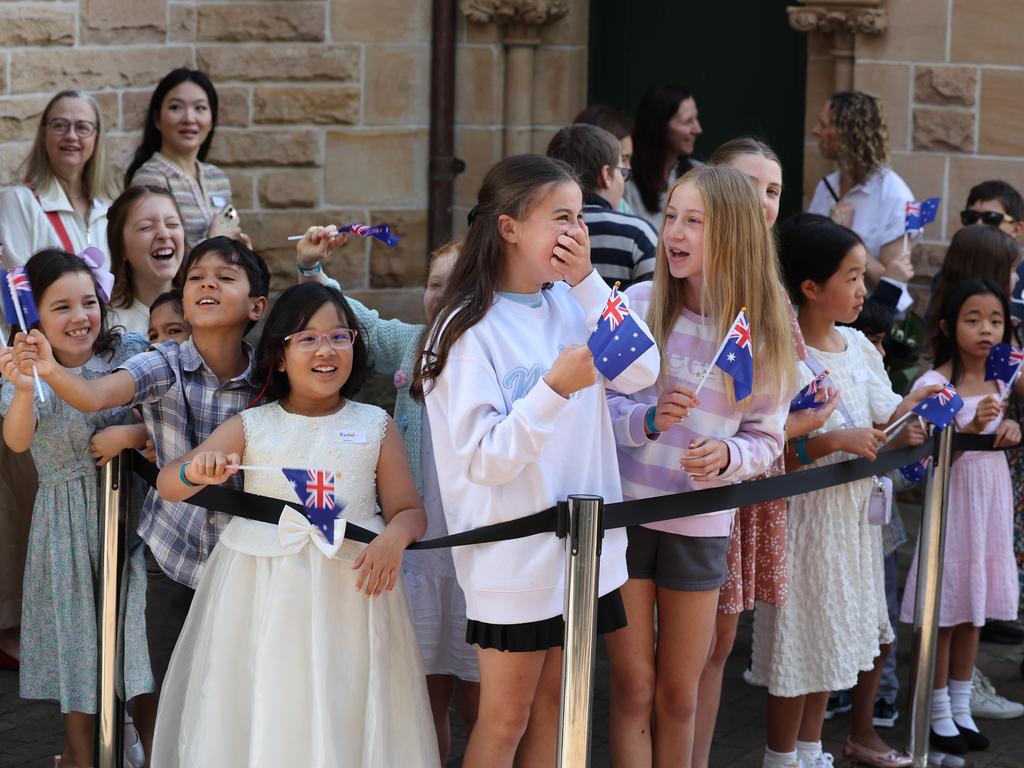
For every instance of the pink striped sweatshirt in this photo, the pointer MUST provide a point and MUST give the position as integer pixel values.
(650, 467)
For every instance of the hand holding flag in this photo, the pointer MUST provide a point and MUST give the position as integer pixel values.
(736, 357)
(808, 396)
(619, 340)
(940, 408)
(20, 309)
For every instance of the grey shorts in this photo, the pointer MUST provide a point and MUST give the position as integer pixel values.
(673, 561)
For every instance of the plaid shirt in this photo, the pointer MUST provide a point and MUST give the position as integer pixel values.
(182, 403)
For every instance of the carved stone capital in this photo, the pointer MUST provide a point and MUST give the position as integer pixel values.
(518, 13)
(830, 19)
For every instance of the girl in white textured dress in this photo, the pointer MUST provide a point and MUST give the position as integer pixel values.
(834, 630)
(285, 659)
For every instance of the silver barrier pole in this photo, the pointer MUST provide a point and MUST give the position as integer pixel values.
(109, 747)
(931, 543)
(582, 565)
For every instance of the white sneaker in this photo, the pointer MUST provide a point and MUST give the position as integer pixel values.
(134, 755)
(986, 703)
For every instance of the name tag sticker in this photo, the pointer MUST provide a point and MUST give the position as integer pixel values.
(218, 201)
(350, 436)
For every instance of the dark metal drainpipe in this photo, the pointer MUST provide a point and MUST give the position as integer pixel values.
(444, 166)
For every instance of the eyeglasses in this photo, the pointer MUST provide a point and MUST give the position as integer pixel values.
(626, 171)
(59, 126)
(991, 218)
(310, 341)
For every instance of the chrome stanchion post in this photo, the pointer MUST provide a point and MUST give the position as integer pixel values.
(582, 565)
(931, 543)
(109, 718)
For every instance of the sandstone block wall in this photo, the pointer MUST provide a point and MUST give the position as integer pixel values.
(324, 109)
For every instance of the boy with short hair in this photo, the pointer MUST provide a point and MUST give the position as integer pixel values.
(167, 319)
(185, 392)
(622, 246)
(995, 203)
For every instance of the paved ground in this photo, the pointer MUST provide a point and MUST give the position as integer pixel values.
(30, 732)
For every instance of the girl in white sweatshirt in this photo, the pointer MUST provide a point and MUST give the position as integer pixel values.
(519, 422)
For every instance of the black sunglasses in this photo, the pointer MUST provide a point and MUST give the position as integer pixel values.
(991, 218)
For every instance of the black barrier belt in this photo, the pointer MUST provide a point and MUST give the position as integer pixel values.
(616, 515)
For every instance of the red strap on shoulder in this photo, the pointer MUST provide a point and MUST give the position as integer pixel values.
(58, 227)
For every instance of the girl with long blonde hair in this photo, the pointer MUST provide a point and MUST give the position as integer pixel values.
(715, 256)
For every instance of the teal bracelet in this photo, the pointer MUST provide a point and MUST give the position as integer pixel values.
(316, 269)
(649, 421)
(185, 480)
(800, 448)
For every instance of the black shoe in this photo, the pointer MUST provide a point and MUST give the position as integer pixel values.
(951, 745)
(885, 714)
(976, 740)
(1002, 632)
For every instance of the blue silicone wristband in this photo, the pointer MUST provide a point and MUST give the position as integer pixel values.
(800, 448)
(316, 269)
(649, 421)
(185, 480)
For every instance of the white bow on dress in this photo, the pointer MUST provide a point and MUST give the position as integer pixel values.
(295, 531)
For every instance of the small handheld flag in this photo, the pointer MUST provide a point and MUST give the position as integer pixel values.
(917, 471)
(315, 487)
(619, 340)
(19, 304)
(20, 310)
(381, 232)
(736, 357)
(1004, 363)
(807, 397)
(921, 213)
(941, 407)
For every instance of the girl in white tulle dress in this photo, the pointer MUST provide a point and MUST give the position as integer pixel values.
(299, 651)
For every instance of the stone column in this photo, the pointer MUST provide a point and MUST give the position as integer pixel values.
(520, 21)
(841, 20)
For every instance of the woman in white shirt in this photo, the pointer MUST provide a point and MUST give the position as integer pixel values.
(865, 194)
(68, 185)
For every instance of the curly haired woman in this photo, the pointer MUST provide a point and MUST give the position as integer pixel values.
(865, 194)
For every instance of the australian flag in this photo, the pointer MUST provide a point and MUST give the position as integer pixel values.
(917, 471)
(805, 398)
(1003, 363)
(16, 288)
(619, 340)
(736, 357)
(919, 214)
(941, 407)
(315, 488)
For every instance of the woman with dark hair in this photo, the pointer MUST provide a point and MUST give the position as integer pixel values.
(865, 194)
(180, 124)
(664, 131)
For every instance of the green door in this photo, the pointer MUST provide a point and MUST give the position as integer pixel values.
(745, 67)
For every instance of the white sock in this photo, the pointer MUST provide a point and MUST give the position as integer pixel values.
(942, 714)
(778, 759)
(960, 703)
(808, 750)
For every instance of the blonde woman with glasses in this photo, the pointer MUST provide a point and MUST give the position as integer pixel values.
(68, 185)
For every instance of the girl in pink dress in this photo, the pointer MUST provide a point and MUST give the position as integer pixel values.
(979, 574)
